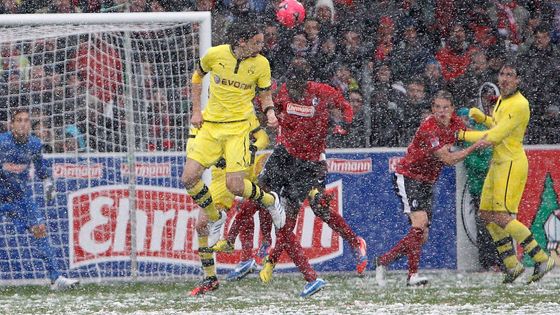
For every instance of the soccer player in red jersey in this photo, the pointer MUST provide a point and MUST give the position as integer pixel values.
(297, 166)
(414, 179)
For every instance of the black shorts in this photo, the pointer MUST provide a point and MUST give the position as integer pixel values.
(291, 177)
(414, 195)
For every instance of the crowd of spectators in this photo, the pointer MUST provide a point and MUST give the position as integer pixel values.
(388, 57)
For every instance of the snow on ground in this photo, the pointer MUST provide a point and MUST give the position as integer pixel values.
(448, 293)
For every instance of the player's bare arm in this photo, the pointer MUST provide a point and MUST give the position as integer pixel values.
(265, 96)
(196, 86)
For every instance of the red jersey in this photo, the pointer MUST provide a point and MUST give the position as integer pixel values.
(420, 163)
(304, 123)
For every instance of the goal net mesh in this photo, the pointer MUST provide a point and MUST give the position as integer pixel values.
(79, 82)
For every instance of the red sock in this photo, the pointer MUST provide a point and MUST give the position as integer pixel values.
(246, 234)
(285, 240)
(414, 250)
(281, 239)
(412, 240)
(266, 226)
(339, 225)
(245, 211)
(295, 251)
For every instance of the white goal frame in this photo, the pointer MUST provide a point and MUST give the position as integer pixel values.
(202, 18)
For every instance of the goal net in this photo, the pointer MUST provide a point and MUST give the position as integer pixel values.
(108, 95)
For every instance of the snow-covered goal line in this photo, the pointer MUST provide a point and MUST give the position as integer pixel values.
(108, 93)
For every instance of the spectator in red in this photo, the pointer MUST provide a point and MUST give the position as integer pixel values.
(455, 57)
(385, 37)
(510, 19)
(100, 63)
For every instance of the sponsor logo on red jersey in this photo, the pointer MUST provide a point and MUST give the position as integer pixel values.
(345, 166)
(319, 242)
(300, 110)
(100, 225)
(77, 171)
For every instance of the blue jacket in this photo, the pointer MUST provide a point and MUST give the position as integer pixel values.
(15, 164)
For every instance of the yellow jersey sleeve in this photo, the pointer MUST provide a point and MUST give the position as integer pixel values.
(265, 76)
(510, 119)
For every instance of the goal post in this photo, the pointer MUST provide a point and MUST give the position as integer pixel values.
(109, 96)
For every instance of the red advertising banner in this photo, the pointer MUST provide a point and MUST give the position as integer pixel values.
(539, 208)
(99, 221)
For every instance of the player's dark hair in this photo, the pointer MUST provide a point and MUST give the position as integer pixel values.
(417, 80)
(243, 30)
(444, 94)
(542, 28)
(17, 110)
(518, 67)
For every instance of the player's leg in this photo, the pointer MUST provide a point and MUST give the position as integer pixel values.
(320, 203)
(266, 236)
(295, 191)
(223, 200)
(243, 226)
(502, 239)
(285, 240)
(26, 217)
(415, 197)
(202, 152)
(209, 281)
(507, 192)
(238, 155)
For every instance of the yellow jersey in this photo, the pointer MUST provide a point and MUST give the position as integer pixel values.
(507, 128)
(233, 83)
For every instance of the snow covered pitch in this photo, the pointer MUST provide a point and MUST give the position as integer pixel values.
(448, 293)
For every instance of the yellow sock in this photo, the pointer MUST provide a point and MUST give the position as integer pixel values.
(201, 195)
(504, 245)
(524, 237)
(254, 192)
(313, 192)
(206, 257)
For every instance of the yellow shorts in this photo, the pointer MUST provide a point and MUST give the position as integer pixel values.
(221, 196)
(228, 140)
(504, 186)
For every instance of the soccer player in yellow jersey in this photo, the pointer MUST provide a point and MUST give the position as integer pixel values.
(223, 200)
(237, 72)
(506, 178)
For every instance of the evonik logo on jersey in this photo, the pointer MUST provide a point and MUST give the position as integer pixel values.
(99, 221)
(319, 242)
